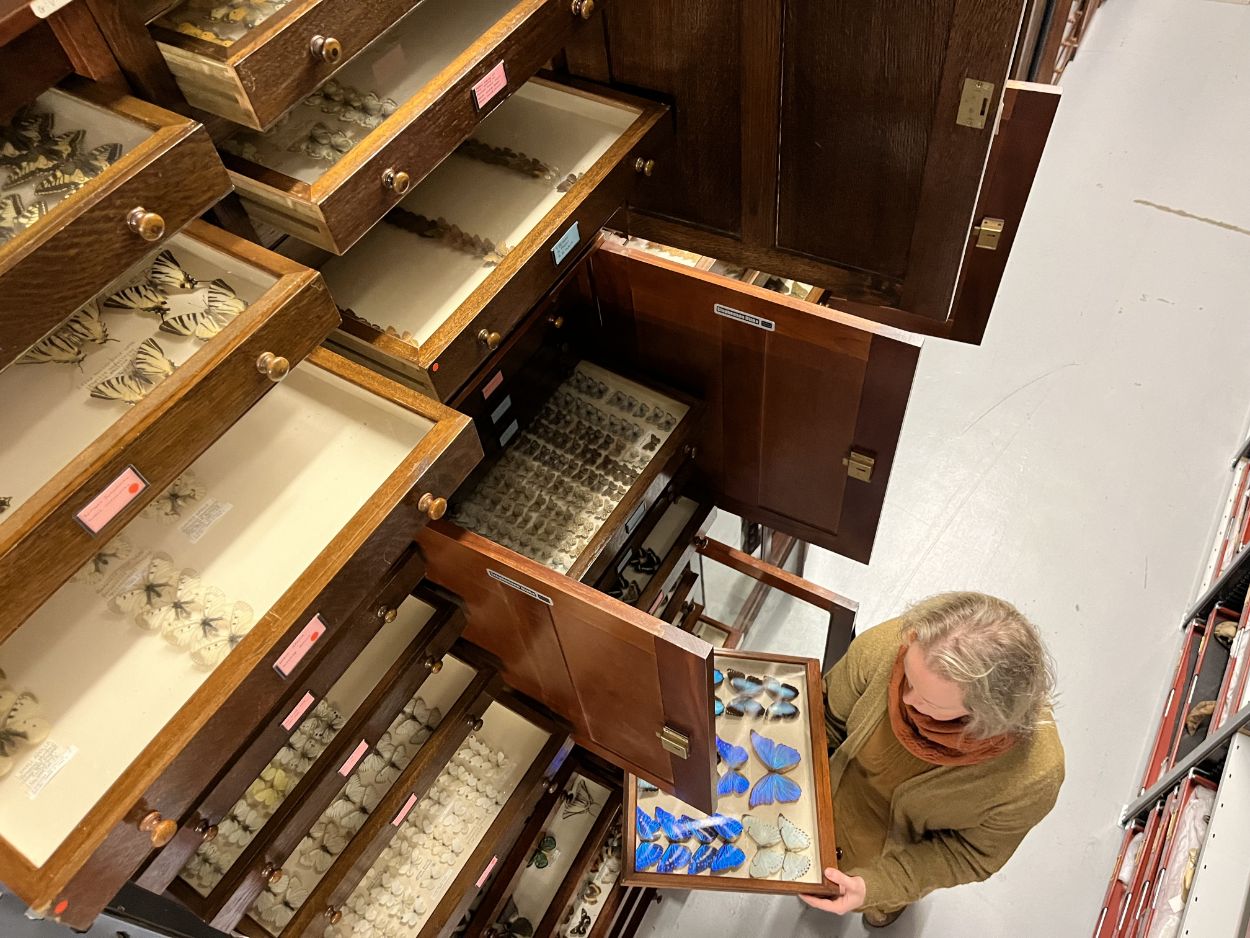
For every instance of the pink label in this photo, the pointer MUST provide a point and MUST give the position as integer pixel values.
(403, 812)
(489, 86)
(357, 754)
(486, 872)
(298, 648)
(493, 384)
(108, 504)
(297, 714)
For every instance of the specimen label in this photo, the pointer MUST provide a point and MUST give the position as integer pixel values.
(300, 646)
(486, 872)
(297, 714)
(492, 385)
(109, 503)
(403, 812)
(42, 765)
(502, 409)
(489, 86)
(569, 240)
(357, 754)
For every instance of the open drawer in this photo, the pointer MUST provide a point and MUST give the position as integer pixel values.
(434, 290)
(335, 164)
(173, 633)
(167, 354)
(92, 180)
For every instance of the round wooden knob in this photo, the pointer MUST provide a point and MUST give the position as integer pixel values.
(207, 831)
(272, 874)
(333, 915)
(387, 613)
(433, 665)
(583, 8)
(645, 167)
(274, 367)
(432, 505)
(556, 322)
(160, 829)
(396, 180)
(490, 339)
(147, 225)
(326, 48)
(475, 723)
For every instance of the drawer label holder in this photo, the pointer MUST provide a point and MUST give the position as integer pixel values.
(289, 660)
(568, 241)
(489, 86)
(115, 496)
(759, 322)
(297, 713)
(520, 587)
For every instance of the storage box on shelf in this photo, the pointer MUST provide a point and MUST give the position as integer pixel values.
(165, 646)
(169, 351)
(94, 179)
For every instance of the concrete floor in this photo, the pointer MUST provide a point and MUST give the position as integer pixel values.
(1076, 462)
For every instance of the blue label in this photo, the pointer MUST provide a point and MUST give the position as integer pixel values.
(569, 240)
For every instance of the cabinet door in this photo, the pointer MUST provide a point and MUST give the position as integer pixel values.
(833, 141)
(804, 405)
(636, 690)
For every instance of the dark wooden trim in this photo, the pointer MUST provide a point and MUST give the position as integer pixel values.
(761, 38)
(586, 856)
(126, 33)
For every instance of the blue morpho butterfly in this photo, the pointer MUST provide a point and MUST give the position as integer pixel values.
(675, 857)
(703, 831)
(647, 855)
(727, 829)
(728, 858)
(718, 706)
(733, 782)
(702, 861)
(674, 829)
(774, 786)
(782, 707)
(648, 829)
(718, 677)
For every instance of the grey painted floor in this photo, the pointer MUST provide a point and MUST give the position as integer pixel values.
(1076, 463)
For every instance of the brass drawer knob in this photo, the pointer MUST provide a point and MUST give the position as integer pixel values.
(274, 367)
(432, 505)
(490, 339)
(387, 613)
(552, 787)
(396, 180)
(147, 225)
(333, 915)
(207, 831)
(326, 48)
(432, 664)
(272, 874)
(644, 166)
(475, 723)
(583, 8)
(556, 322)
(160, 829)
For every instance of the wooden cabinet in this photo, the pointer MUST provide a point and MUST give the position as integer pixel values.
(96, 179)
(90, 427)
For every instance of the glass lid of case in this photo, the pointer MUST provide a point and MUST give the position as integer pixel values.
(80, 379)
(99, 669)
(221, 22)
(765, 825)
(315, 135)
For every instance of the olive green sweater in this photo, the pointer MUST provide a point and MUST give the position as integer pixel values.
(950, 824)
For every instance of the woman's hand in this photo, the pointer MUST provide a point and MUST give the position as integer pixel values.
(853, 890)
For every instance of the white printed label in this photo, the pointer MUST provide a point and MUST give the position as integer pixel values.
(42, 765)
(520, 587)
(204, 518)
(45, 8)
(757, 321)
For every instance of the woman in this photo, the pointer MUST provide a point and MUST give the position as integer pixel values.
(946, 751)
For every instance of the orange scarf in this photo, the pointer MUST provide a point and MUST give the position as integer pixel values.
(939, 742)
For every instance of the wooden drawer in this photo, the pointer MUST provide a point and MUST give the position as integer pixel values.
(83, 231)
(431, 292)
(757, 752)
(433, 75)
(92, 412)
(325, 479)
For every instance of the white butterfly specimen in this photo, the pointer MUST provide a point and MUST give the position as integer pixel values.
(104, 561)
(20, 724)
(183, 608)
(345, 815)
(224, 625)
(174, 502)
(155, 587)
(151, 363)
(125, 388)
(166, 273)
(270, 908)
(780, 848)
(140, 298)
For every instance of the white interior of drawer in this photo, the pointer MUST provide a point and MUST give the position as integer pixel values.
(537, 887)
(396, 65)
(662, 539)
(413, 284)
(794, 733)
(383, 650)
(49, 415)
(276, 489)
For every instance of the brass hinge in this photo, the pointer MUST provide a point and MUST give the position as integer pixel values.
(975, 103)
(859, 465)
(676, 743)
(989, 233)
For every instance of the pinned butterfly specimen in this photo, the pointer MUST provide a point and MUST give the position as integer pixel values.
(61, 348)
(701, 862)
(648, 827)
(222, 301)
(155, 587)
(582, 926)
(231, 622)
(674, 858)
(743, 706)
(673, 828)
(183, 608)
(541, 858)
(125, 388)
(778, 759)
(140, 298)
(718, 707)
(20, 724)
(166, 273)
(781, 848)
(646, 788)
(43, 156)
(104, 561)
(27, 128)
(79, 169)
(208, 611)
(5, 502)
(176, 500)
(87, 325)
(199, 323)
(151, 363)
(578, 800)
(732, 782)
(727, 828)
(15, 217)
(747, 685)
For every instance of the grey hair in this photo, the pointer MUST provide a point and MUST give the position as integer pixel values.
(987, 646)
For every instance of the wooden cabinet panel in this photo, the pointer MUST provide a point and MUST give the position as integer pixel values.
(790, 392)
